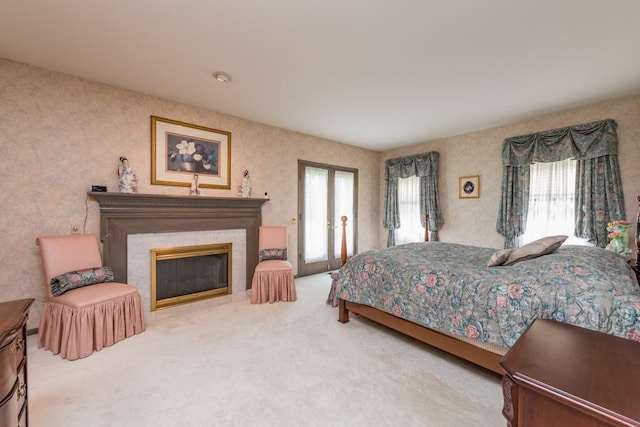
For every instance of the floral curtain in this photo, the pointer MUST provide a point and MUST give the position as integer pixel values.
(599, 176)
(599, 196)
(426, 167)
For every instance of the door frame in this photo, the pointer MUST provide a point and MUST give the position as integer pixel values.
(332, 263)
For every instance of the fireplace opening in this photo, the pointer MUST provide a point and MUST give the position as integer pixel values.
(189, 273)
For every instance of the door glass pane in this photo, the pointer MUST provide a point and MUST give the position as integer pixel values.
(343, 191)
(316, 188)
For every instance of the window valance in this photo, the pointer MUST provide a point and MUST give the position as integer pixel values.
(582, 142)
(425, 164)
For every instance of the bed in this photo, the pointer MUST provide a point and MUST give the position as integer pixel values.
(445, 295)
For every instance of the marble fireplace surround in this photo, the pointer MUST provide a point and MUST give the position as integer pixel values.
(122, 214)
(139, 263)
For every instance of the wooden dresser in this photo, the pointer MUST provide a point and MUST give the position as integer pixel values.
(13, 362)
(561, 375)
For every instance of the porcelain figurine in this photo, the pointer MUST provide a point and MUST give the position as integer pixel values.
(195, 187)
(127, 179)
(244, 189)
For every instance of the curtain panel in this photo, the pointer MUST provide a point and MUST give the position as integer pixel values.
(599, 176)
(425, 166)
(599, 197)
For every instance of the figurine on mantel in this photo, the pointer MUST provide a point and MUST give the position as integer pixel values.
(244, 189)
(127, 179)
(195, 187)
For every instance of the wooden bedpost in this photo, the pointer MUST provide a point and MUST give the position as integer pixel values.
(426, 227)
(343, 249)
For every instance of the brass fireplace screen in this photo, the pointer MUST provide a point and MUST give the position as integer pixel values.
(189, 273)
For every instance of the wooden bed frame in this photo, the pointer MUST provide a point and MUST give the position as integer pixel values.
(466, 351)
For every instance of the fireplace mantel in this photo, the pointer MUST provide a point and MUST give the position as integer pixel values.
(122, 214)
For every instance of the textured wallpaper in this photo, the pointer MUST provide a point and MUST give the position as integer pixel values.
(60, 134)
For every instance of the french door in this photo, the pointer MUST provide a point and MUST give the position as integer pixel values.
(325, 194)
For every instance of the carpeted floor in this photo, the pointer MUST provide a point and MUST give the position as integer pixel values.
(283, 364)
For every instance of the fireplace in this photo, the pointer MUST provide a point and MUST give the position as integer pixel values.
(184, 274)
(122, 214)
(138, 223)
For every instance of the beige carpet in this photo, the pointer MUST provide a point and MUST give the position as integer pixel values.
(284, 364)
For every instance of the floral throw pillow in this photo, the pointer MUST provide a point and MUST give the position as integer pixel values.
(276, 253)
(77, 279)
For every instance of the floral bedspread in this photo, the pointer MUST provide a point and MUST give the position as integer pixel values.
(448, 287)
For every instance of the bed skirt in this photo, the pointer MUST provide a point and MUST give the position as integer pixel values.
(75, 332)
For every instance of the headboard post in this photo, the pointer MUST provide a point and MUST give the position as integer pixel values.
(426, 227)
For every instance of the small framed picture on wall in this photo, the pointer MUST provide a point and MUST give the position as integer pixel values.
(469, 187)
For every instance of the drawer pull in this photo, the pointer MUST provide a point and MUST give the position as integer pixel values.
(20, 345)
(22, 391)
(17, 346)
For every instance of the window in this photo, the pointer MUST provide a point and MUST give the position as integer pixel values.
(411, 229)
(551, 202)
(344, 189)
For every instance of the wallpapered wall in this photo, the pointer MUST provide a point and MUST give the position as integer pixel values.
(473, 221)
(60, 134)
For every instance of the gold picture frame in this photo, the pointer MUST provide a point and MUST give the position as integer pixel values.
(179, 150)
(469, 187)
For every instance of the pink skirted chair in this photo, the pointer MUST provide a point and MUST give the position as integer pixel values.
(273, 278)
(85, 310)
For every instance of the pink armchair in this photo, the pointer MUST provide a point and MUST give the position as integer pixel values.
(273, 277)
(82, 320)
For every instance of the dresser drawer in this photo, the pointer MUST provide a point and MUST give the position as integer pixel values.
(9, 408)
(21, 392)
(8, 371)
(19, 350)
(13, 363)
(14, 403)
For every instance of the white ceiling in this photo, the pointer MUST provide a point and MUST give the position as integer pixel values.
(371, 73)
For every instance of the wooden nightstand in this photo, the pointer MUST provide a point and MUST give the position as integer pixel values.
(562, 375)
(13, 362)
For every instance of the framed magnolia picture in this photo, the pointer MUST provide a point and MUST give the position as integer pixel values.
(469, 187)
(181, 150)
